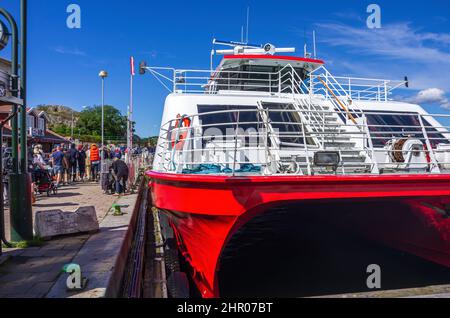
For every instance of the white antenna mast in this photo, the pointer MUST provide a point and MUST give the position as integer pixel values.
(314, 43)
(248, 19)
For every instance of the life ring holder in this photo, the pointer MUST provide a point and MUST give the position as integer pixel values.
(180, 131)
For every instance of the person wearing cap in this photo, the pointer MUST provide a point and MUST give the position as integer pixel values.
(58, 161)
(38, 165)
(120, 173)
(38, 159)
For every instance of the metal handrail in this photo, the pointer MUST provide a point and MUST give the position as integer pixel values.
(358, 88)
(192, 81)
(341, 105)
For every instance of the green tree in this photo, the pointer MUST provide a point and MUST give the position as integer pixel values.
(61, 129)
(90, 122)
(150, 141)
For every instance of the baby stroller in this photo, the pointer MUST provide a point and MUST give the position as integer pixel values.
(44, 181)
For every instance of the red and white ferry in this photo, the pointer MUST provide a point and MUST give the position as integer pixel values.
(264, 130)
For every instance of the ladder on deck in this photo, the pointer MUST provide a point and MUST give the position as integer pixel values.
(342, 103)
(322, 124)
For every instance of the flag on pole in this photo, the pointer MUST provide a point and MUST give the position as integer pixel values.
(132, 66)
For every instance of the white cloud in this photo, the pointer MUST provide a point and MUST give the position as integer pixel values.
(431, 96)
(393, 51)
(398, 41)
(64, 50)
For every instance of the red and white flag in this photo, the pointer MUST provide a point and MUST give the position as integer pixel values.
(132, 66)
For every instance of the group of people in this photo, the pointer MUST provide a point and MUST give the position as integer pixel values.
(69, 165)
(82, 162)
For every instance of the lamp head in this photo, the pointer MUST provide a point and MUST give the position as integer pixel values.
(103, 74)
(142, 67)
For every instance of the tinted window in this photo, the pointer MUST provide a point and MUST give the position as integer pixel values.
(385, 127)
(247, 119)
(287, 122)
(258, 78)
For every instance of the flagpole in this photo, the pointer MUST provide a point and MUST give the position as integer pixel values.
(128, 134)
(130, 113)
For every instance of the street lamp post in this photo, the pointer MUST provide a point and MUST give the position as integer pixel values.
(71, 127)
(102, 75)
(21, 212)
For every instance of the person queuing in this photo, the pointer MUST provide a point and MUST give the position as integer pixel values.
(88, 163)
(73, 162)
(120, 173)
(38, 157)
(66, 166)
(57, 158)
(39, 165)
(95, 162)
(81, 162)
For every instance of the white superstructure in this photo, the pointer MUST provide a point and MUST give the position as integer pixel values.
(263, 114)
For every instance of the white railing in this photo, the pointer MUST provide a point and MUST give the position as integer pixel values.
(189, 81)
(353, 88)
(192, 81)
(264, 149)
(136, 165)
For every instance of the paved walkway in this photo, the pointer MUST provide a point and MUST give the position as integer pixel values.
(31, 273)
(69, 199)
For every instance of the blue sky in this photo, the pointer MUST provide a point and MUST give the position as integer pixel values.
(64, 63)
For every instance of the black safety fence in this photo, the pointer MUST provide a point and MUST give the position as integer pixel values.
(4, 176)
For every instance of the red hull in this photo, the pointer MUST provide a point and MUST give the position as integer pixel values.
(207, 210)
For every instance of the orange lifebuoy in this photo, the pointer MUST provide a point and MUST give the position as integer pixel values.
(180, 131)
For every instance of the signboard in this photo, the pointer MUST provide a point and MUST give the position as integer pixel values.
(34, 132)
(5, 90)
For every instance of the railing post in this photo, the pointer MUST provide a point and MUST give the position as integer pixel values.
(279, 82)
(350, 86)
(375, 168)
(385, 92)
(292, 83)
(323, 128)
(174, 81)
(270, 83)
(429, 148)
(236, 143)
(305, 142)
(266, 128)
(174, 147)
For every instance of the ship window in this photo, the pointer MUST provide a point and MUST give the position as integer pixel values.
(384, 127)
(259, 78)
(227, 120)
(287, 122)
(229, 79)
